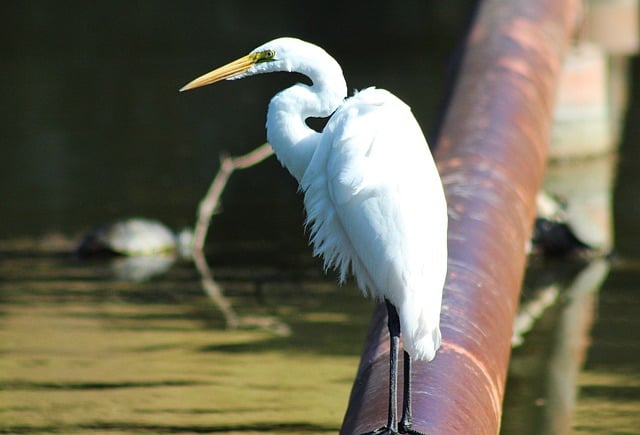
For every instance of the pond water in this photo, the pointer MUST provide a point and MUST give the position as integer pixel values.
(86, 351)
(94, 130)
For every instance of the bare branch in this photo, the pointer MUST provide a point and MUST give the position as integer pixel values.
(207, 207)
(212, 199)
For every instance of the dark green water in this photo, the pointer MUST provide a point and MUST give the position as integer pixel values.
(94, 130)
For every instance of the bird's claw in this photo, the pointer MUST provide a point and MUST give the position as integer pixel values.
(403, 429)
(383, 431)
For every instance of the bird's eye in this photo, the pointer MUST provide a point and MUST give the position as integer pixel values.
(265, 56)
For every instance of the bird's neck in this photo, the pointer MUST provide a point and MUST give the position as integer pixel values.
(291, 138)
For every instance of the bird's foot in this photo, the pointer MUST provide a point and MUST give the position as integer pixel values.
(383, 431)
(406, 428)
(403, 429)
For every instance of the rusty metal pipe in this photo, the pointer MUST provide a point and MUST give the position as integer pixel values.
(491, 153)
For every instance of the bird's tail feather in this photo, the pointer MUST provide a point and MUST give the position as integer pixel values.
(420, 339)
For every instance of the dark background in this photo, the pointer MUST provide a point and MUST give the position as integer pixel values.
(94, 128)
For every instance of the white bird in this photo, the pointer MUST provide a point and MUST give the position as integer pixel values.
(373, 196)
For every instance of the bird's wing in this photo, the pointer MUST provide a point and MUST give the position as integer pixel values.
(376, 207)
(380, 188)
(389, 200)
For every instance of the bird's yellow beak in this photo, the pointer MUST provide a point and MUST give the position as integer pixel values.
(229, 70)
(224, 72)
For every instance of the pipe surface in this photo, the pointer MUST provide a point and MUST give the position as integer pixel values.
(491, 154)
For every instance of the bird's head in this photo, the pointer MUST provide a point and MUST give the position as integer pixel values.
(282, 54)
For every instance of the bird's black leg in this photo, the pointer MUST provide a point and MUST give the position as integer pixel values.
(393, 323)
(405, 421)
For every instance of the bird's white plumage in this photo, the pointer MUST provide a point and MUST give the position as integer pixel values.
(375, 205)
(374, 201)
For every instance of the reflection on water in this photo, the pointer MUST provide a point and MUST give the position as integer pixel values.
(577, 370)
(543, 385)
(84, 353)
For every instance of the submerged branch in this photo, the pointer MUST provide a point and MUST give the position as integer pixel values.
(207, 207)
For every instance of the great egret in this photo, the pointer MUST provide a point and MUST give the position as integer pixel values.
(374, 200)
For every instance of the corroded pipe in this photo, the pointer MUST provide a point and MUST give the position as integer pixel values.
(491, 154)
